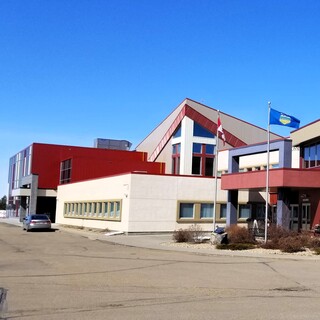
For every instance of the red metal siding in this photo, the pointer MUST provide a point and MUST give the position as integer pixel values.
(87, 163)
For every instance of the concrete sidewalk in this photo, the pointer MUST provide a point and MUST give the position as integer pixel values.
(165, 242)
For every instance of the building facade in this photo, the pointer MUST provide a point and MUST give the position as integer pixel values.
(36, 172)
(169, 181)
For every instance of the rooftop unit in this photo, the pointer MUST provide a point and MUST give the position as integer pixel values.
(112, 144)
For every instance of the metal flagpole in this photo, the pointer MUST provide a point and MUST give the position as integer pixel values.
(267, 177)
(216, 176)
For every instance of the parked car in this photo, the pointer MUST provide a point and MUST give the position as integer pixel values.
(36, 221)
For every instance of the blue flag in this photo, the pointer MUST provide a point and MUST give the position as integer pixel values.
(283, 119)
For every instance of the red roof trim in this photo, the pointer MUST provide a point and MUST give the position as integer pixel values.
(203, 121)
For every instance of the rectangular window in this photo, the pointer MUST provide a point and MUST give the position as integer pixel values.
(176, 158)
(112, 210)
(261, 211)
(65, 171)
(106, 209)
(244, 211)
(312, 155)
(206, 210)
(117, 207)
(80, 209)
(197, 148)
(99, 209)
(196, 165)
(94, 209)
(209, 149)
(223, 211)
(186, 210)
(72, 209)
(209, 167)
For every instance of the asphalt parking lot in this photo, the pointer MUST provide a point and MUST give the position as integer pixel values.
(70, 274)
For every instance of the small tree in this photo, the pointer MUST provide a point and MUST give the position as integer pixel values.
(3, 203)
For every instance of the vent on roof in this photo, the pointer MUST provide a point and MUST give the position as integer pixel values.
(112, 144)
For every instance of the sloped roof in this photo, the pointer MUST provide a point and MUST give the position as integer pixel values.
(237, 132)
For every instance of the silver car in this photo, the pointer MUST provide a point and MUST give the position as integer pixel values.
(36, 221)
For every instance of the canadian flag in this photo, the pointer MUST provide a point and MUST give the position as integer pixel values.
(221, 131)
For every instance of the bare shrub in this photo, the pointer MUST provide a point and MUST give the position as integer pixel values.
(196, 233)
(291, 244)
(275, 235)
(182, 235)
(237, 234)
(193, 234)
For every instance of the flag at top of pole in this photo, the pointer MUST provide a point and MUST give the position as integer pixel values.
(282, 119)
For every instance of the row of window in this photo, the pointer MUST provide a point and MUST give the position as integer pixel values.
(104, 210)
(200, 211)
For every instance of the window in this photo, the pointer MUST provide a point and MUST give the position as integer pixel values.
(199, 131)
(195, 211)
(117, 209)
(176, 158)
(311, 155)
(208, 167)
(99, 209)
(93, 209)
(209, 149)
(177, 133)
(206, 210)
(65, 171)
(112, 210)
(202, 159)
(260, 211)
(223, 211)
(106, 210)
(244, 211)
(186, 210)
(196, 165)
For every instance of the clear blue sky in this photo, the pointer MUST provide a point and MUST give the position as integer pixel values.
(75, 70)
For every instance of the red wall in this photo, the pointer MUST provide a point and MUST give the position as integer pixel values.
(87, 163)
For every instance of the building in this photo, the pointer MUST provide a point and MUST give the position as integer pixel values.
(294, 180)
(179, 190)
(36, 172)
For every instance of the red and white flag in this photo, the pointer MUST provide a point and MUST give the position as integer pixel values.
(221, 131)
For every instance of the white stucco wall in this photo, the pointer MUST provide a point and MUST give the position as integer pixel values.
(104, 189)
(149, 202)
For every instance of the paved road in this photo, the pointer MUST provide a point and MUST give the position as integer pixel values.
(66, 275)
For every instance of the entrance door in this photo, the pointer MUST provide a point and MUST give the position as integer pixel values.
(305, 223)
(294, 217)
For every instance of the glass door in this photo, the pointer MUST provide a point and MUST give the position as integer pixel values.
(305, 223)
(294, 217)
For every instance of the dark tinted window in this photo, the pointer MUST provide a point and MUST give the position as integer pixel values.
(39, 217)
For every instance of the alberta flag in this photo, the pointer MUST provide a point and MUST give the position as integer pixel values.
(282, 119)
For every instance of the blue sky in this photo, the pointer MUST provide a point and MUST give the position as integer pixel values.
(75, 70)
